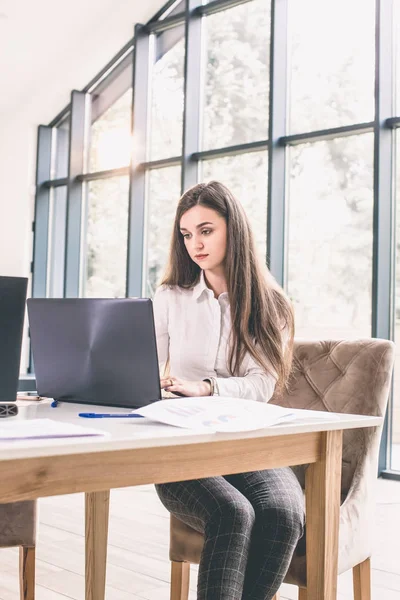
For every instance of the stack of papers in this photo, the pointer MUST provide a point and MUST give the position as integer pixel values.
(31, 429)
(227, 414)
(216, 413)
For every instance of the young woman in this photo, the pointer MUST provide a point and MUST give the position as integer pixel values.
(226, 328)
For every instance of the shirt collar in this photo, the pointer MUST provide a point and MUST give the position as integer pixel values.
(200, 287)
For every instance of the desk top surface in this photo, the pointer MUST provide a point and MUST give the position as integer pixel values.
(128, 434)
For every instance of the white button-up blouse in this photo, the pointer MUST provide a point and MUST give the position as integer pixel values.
(192, 329)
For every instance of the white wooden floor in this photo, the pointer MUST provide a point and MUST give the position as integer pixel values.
(138, 567)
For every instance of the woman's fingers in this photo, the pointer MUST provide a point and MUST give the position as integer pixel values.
(178, 390)
(181, 387)
(174, 387)
(167, 381)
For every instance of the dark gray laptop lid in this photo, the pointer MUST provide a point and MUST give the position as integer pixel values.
(12, 312)
(95, 351)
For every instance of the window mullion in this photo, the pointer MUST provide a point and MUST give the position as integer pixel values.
(42, 213)
(137, 175)
(80, 117)
(382, 305)
(383, 226)
(277, 129)
(192, 95)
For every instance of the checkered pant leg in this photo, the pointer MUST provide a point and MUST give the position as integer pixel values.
(278, 502)
(251, 523)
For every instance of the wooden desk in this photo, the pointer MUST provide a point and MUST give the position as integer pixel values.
(139, 452)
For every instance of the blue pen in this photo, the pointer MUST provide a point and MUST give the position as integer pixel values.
(110, 415)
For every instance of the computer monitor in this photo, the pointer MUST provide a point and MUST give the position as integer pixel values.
(95, 351)
(12, 312)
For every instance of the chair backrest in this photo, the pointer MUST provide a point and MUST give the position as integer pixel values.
(345, 377)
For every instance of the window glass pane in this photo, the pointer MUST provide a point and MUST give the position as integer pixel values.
(246, 176)
(331, 63)
(396, 377)
(61, 149)
(330, 237)
(110, 136)
(176, 8)
(56, 248)
(106, 238)
(167, 94)
(397, 54)
(236, 75)
(163, 193)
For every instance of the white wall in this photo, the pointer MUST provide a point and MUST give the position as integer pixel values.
(74, 49)
(17, 157)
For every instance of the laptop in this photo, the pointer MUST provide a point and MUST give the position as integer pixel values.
(95, 351)
(12, 312)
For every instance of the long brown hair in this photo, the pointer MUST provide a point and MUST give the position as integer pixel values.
(261, 314)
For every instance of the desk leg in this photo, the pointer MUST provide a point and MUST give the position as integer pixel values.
(96, 533)
(322, 509)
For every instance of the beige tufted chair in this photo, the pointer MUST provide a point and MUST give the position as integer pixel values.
(18, 528)
(337, 376)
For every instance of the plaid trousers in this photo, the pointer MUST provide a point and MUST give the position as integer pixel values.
(251, 523)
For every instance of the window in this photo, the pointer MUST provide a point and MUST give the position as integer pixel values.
(332, 62)
(330, 237)
(56, 247)
(167, 94)
(163, 192)
(395, 451)
(396, 33)
(106, 238)
(110, 136)
(394, 410)
(233, 172)
(61, 135)
(236, 75)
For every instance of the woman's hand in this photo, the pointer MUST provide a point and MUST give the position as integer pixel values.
(180, 387)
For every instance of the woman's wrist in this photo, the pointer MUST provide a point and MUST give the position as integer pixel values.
(207, 387)
(213, 383)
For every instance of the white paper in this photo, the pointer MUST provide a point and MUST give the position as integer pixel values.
(216, 413)
(18, 429)
(302, 415)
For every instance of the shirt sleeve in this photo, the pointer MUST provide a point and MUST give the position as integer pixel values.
(160, 309)
(256, 384)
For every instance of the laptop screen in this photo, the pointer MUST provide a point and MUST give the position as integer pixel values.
(95, 351)
(12, 311)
